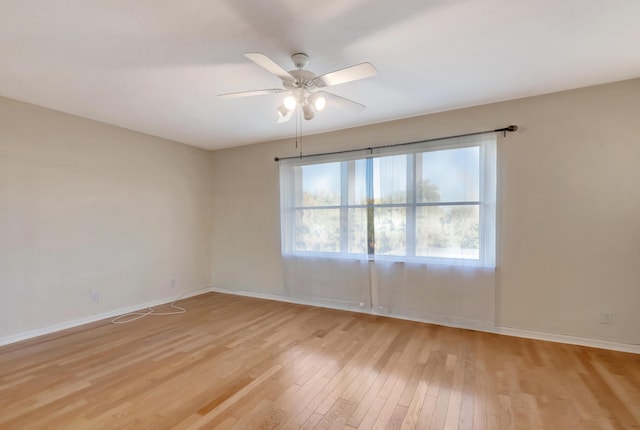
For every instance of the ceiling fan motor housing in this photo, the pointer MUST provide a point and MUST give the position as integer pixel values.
(303, 79)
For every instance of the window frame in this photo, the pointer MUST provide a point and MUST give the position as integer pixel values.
(413, 153)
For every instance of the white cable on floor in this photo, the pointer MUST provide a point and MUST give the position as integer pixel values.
(150, 311)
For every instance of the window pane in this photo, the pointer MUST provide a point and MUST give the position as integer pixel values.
(451, 175)
(320, 185)
(318, 230)
(390, 179)
(358, 231)
(448, 231)
(390, 231)
(358, 182)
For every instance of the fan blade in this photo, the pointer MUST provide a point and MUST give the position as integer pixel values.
(353, 73)
(251, 93)
(341, 101)
(285, 118)
(268, 64)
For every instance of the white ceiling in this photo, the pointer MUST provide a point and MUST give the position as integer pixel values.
(156, 66)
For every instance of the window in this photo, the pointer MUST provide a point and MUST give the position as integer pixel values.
(432, 201)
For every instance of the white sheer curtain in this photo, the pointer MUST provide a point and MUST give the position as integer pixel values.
(449, 294)
(329, 279)
(334, 282)
(431, 209)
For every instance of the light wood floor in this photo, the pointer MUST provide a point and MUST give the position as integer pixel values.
(235, 362)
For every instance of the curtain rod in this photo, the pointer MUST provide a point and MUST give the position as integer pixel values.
(510, 128)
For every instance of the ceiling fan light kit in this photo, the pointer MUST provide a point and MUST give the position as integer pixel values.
(307, 110)
(302, 86)
(318, 101)
(283, 110)
(290, 102)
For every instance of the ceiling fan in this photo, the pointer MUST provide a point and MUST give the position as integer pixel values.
(303, 86)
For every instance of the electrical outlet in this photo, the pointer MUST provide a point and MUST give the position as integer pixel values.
(94, 296)
(606, 317)
(172, 283)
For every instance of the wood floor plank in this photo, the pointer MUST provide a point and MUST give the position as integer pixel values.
(415, 407)
(237, 362)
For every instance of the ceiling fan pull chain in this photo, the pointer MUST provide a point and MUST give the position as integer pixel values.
(299, 128)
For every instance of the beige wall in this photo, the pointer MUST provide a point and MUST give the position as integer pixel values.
(569, 235)
(86, 206)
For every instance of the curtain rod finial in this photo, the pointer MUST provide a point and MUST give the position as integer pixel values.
(512, 128)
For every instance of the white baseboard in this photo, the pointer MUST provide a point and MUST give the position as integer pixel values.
(342, 306)
(94, 318)
(571, 340)
(464, 324)
(458, 323)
